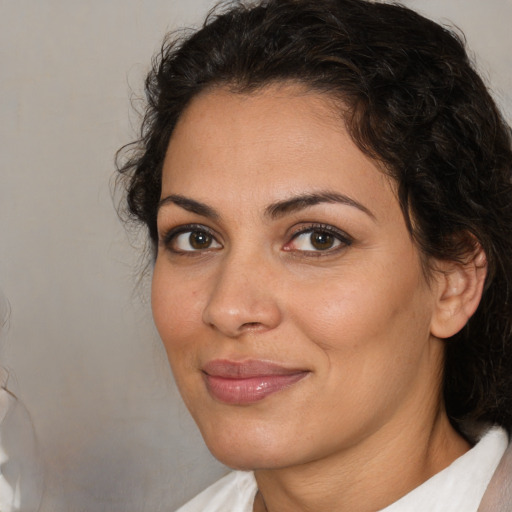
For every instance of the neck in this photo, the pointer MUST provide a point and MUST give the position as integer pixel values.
(365, 477)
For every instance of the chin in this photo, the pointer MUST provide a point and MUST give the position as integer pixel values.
(248, 460)
(248, 452)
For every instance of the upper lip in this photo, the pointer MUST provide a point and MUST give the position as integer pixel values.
(246, 369)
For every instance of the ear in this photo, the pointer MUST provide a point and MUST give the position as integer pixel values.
(459, 290)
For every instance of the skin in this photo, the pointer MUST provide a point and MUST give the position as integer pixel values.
(367, 423)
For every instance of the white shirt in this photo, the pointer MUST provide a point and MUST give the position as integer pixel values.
(458, 488)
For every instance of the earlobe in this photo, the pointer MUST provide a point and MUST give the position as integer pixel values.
(459, 290)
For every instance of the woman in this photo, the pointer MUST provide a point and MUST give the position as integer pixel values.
(326, 186)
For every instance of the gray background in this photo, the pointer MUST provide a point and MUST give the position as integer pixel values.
(80, 346)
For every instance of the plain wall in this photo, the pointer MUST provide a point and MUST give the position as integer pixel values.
(81, 349)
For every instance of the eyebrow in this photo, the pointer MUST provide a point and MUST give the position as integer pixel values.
(304, 201)
(274, 210)
(190, 205)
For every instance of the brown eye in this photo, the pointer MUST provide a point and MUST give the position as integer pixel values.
(200, 240)
(321, 240)
(318, 239)
(191, 240)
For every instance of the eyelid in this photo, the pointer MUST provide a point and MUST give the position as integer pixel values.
(168, 236)
(345, 239)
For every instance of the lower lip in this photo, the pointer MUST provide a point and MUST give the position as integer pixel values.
(249, 390)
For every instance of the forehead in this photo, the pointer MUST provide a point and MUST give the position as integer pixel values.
(280, 140)
(276, 114)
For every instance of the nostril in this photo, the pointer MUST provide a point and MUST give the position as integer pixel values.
(251, 324)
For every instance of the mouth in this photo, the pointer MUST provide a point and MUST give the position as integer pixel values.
(246, 382)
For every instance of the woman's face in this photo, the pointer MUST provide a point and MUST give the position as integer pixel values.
(287, 291)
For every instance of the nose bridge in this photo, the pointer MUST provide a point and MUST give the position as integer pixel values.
(244, 295)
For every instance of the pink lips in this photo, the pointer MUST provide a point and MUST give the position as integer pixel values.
(246, 382)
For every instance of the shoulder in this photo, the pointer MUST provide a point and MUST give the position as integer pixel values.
(233, 493)
(498, 496)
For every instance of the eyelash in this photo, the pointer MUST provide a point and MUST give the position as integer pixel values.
(171, 236)
(343, 238)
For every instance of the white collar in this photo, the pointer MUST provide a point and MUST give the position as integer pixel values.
(460, 486)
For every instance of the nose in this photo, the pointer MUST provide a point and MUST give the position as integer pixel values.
(243, 299)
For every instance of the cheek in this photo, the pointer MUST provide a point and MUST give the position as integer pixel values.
(371, 340)
(176, 311)
(176, 308)
(375, 308)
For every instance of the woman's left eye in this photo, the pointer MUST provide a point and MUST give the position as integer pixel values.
(317, 240)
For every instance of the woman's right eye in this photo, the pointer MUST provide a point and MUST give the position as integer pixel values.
(191, 240)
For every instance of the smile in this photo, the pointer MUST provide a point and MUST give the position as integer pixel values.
(240, 383)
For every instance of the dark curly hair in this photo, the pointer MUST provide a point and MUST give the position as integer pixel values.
(410, 99)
